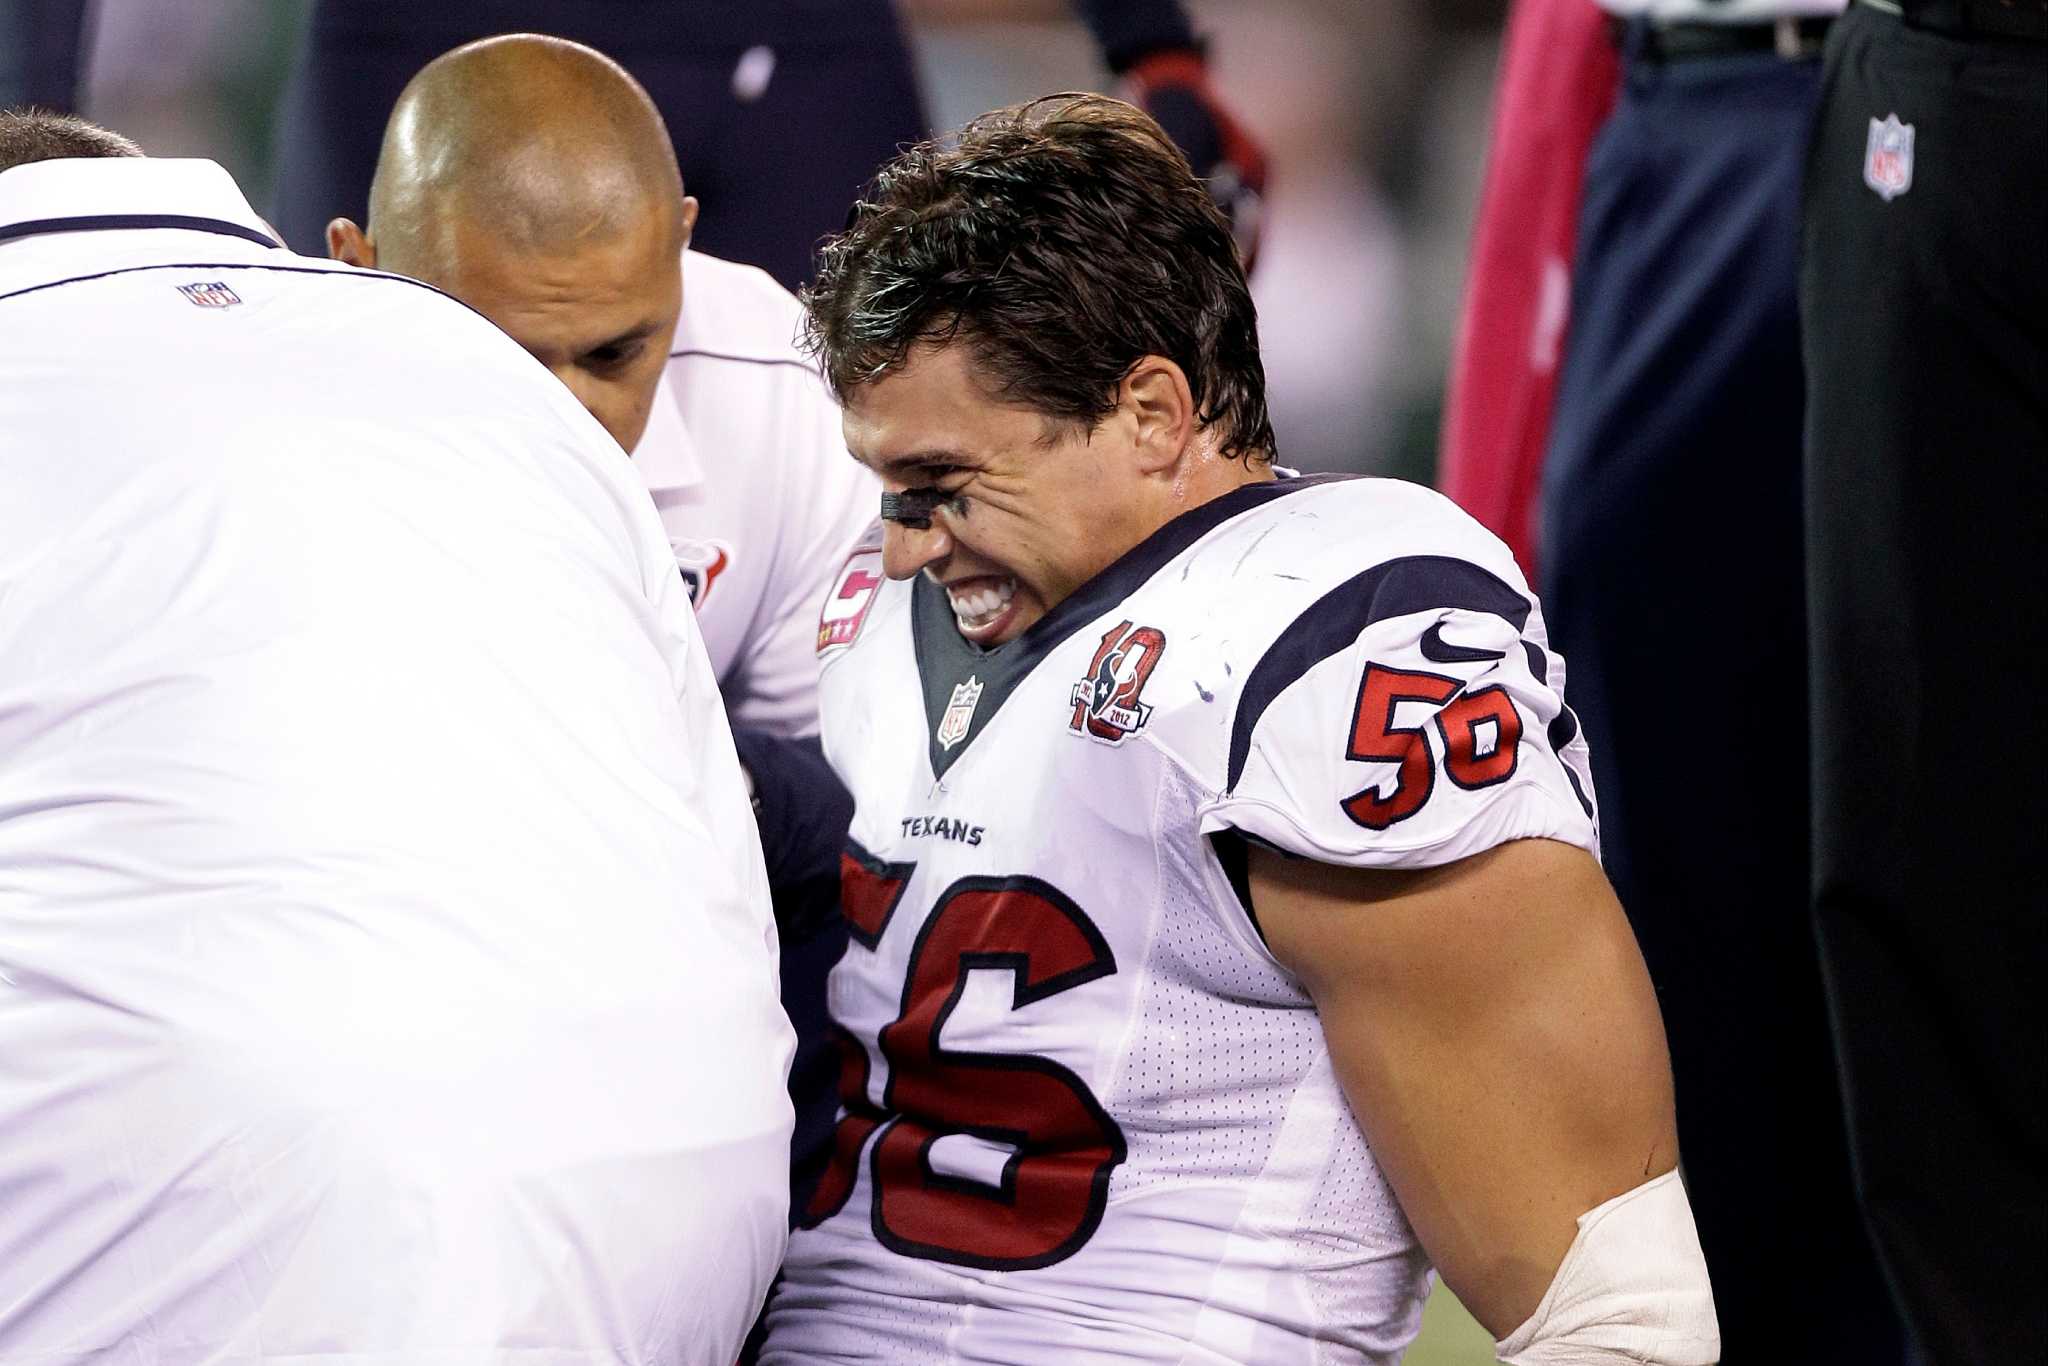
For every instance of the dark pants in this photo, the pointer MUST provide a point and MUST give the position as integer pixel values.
(1927, 512)
(774, 172)
(1673, 587)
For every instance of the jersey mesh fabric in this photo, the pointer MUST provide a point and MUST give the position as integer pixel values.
(1250, 1104)
(1367, 1275)
(1221, 1040)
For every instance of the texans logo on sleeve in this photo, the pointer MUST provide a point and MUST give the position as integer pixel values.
(701, 562)
(846, 606)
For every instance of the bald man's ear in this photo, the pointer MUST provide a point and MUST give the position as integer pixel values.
(347, 242)
(689, 218)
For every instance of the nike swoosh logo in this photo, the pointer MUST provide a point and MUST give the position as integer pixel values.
(1437, 651)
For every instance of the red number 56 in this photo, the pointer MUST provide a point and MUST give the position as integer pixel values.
(1063, 1144)
(1481, 733)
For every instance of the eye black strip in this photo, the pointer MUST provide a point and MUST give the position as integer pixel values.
(912, 507)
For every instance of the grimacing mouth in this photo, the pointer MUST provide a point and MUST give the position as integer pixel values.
(982, 604)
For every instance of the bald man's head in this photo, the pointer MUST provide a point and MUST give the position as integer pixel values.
(533, 179)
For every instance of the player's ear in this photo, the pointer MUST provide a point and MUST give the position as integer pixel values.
(689, 217)
(1156, 398)
(347, 242)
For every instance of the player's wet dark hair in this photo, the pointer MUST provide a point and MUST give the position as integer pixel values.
(29, 135)
(1061, 240)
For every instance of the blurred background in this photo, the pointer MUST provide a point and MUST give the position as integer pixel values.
(1374, 114)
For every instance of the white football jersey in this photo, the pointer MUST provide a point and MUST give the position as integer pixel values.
(1088, 1116)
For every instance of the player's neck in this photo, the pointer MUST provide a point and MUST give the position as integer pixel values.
(1207, 475)
(1200, 475)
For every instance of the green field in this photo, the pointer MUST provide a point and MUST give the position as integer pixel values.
(1450, 1336)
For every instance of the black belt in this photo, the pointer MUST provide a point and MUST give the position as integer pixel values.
(1792, 38)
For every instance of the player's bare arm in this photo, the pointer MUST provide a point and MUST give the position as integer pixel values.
(1497, 1036)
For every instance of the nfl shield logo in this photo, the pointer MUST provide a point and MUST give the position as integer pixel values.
(212, 294)
(1888, 157)
(959, 713)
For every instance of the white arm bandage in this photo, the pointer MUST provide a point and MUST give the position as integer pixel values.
(1631, 1291)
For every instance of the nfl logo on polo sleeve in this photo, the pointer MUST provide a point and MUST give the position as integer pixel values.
(209, 294)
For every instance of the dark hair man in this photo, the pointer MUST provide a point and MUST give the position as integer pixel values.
(1229, 942)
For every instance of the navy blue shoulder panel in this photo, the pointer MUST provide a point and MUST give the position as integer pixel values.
(1413, 583)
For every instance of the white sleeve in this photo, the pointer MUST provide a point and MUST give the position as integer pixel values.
(829, 503)
(726, 810)
(1408, 742)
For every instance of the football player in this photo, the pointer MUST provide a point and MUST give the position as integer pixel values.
(1230, 944)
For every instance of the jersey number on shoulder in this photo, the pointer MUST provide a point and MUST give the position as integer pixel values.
(1481, 733)
(1056, 1143)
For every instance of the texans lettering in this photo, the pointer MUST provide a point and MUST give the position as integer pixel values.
(939, 827)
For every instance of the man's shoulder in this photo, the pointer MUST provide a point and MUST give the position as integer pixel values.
(1318, 661)
(428, 341)
(1297, 574)
(754, 407)
(1274, 551)
(184, 276)
(736, 314)
(272, 325)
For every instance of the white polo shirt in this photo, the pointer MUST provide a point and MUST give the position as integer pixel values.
(748, 467)
(1723, 11)
(386, 966)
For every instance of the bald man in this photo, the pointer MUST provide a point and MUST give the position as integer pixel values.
(533, 179)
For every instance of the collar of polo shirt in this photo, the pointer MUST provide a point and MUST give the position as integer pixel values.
(666, 455)
(80, 193)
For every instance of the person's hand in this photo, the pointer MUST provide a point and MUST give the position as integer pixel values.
(1172, 85)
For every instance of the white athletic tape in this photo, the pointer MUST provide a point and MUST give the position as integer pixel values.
(1632, 1290)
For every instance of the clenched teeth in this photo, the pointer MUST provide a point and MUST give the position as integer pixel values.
(977, 607)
